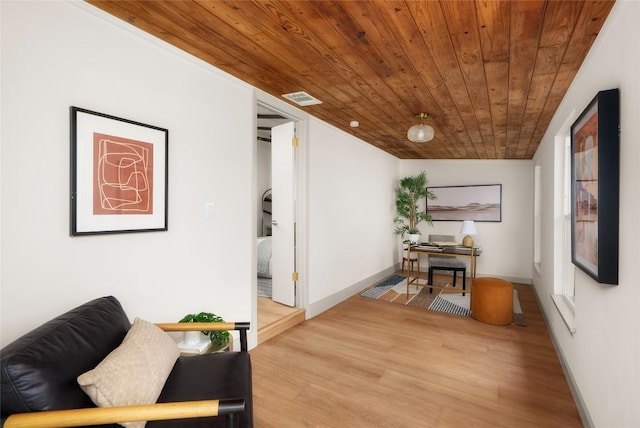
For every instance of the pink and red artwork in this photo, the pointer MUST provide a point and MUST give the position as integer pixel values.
(122, 176)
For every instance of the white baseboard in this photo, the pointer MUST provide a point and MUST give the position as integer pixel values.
(328, 302)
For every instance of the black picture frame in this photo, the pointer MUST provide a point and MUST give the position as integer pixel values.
(481, 202)
(119, 175)
(595, 184)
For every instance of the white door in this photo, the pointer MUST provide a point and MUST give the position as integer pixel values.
(283, 229)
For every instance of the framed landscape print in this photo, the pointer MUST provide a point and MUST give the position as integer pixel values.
(458, 203)
(119, 175)
(595, 176)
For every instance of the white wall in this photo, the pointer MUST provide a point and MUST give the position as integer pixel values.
(59, 54)
(508, 245)
(603, 356)
(351, 211)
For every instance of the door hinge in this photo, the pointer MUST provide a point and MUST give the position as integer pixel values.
(294, 276)
(294, 141)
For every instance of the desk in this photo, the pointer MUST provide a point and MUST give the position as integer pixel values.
(453, 251)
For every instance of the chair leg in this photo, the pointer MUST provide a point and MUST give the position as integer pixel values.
(464, 280)
(430, 280)
(412, 266)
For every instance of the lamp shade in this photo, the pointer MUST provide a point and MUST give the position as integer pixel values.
(420, 133)
(468, 228)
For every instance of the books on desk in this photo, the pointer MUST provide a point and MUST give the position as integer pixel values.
(466, 250)
(429, 247)
(444, 244)
(449, 249)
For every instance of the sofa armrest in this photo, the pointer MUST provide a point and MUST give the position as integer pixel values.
(110, 415)
(242, 327)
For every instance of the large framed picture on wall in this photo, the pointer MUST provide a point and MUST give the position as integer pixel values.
(119, 176)
(458, 203)
(595, 181)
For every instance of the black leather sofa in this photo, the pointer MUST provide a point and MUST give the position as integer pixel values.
(39, 370)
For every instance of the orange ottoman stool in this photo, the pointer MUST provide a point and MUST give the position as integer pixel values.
(492, 301)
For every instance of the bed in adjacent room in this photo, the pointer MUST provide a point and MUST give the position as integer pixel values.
(264, 266)
(264, 256)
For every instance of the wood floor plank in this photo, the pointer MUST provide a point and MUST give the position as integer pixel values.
(274, 318)
(367, 363)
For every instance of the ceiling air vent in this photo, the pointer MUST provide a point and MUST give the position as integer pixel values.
(302, 99)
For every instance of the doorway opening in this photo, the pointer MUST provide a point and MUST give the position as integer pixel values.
(277, 306)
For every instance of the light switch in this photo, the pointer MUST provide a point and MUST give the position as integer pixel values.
(209, 210)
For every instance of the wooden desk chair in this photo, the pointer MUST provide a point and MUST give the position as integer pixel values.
(410, 260)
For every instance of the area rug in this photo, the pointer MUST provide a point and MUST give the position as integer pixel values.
(382, 287)
(458, 304)
(445, 299)
(394, 289)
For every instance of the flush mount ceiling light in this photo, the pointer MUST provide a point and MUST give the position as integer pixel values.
(420, 133)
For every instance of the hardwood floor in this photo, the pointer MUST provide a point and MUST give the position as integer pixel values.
(367, 363)
(274, 318)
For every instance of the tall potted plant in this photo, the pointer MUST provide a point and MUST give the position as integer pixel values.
(409, 192)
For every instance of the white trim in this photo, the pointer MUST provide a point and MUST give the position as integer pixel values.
(563, 284)
(301, 119)
(567, 311)
(537, 218)
(328, 302)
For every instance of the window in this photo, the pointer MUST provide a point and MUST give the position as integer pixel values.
(537, 218)
(568, 285)
(564, 288)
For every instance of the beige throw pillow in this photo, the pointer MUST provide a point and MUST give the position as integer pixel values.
(135, 372)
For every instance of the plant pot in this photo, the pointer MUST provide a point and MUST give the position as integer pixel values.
(414, 238)
(192, 337)
(221, 347)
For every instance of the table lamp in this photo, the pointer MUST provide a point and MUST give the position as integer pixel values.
(468, 228)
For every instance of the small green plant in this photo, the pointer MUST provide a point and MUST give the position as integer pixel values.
(218, 338)
(408, 193)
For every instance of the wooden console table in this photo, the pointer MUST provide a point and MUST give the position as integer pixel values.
(447, 251)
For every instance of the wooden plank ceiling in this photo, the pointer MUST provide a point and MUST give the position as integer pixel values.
(490, 73)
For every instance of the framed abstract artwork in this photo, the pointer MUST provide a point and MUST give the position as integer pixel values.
(119, 175)
(595, 180)
(458, 203)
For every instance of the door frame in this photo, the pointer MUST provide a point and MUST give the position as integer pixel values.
(301, 121)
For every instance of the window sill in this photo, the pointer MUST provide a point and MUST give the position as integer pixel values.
(566, 310)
